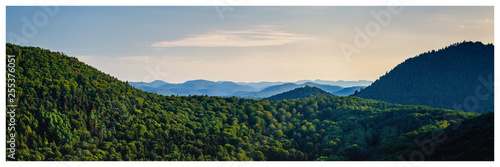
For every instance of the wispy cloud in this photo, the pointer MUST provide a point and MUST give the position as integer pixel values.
(260, 36)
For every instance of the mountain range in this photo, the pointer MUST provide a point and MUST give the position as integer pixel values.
(245, 90)
(341, 83)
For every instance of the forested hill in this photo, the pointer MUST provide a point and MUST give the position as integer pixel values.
(68, 110)
(469, 140)
(302, 92)
(458, 77)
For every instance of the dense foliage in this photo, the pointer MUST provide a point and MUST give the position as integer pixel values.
(458, 77)
(470, 140)
(302, 92)
(68, 110)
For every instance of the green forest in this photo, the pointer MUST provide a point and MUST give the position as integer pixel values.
(302, 92)
(70, 111)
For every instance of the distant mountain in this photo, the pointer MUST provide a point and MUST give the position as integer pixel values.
(156, 90)
(341, 83)
(302, 92)
(194, 87)
(153, 84)
(303, 82)
(240, 89)
(458, 77)
(260, 85)
(277, 89)
(327, 88)
(348, 91)
(344, 83)
(269, 91)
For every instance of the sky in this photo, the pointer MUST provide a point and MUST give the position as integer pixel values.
(246, 44)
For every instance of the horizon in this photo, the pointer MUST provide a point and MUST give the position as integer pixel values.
(248, 44)
(308, 80)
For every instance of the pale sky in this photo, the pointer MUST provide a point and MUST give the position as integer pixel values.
(246, 44)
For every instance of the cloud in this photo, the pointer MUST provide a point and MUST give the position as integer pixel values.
(260, 36)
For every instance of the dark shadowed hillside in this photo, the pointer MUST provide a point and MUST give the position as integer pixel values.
(470, 140)
(458, 77)
(348, 91)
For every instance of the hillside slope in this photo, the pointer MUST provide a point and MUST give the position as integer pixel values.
(267, 92)
(470, 140)
(458, 77)
(302, 92)
(348, 91)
